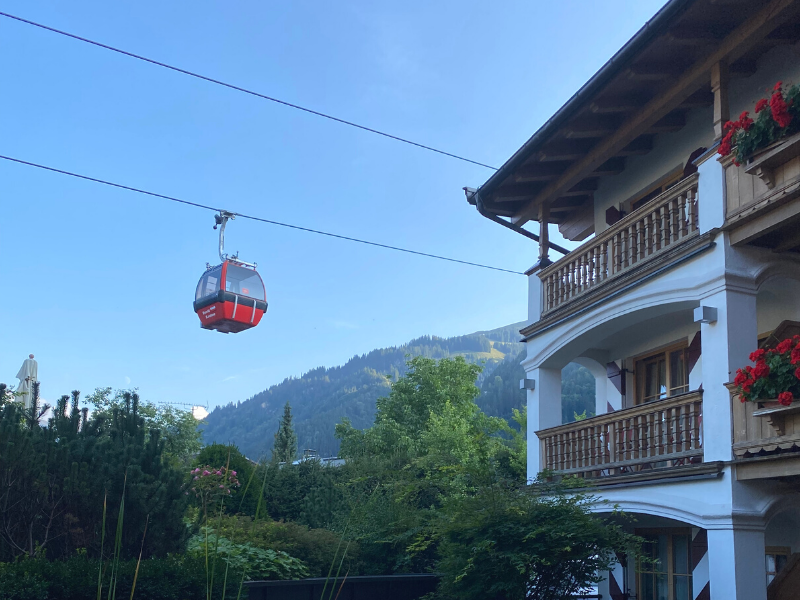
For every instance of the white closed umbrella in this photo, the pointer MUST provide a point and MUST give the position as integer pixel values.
(28, 373)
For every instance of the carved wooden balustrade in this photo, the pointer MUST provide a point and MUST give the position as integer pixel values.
(662, 223)
(759, 431)
(664, 433)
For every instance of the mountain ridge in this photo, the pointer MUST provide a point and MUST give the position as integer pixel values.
(322, 396)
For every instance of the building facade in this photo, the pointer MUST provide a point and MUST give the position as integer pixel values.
(688, 263)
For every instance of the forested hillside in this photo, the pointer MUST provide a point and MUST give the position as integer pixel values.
(323, 396)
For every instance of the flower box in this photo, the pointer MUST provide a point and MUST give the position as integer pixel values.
(770, 163)
(775, 413)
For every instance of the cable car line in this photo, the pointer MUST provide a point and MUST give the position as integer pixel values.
(244, 90)
(254, 218)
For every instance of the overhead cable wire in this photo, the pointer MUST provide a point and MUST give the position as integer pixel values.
(245, 90)
(252, 217)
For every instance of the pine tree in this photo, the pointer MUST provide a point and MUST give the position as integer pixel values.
(285, 448)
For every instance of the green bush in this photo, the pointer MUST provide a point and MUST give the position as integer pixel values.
(315, 547)
(171, 578)
(255, 563)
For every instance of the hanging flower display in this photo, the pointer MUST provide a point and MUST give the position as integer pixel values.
(775, 376)
(776, 118)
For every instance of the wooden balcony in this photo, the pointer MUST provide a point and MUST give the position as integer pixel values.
(665, 433)
(763, 197)
(758, 431)
(643, 238)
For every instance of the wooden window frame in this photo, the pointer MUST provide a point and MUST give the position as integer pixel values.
(653, 190)
(655, 354)
(776, 551)
(670, 571)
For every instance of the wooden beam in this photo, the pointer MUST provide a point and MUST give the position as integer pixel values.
(736, 44)
(565, 150)
(567, 204)
(701, 98)
(613, 166)
(641, 145)
(538, 171)
(579, 224)
(719, 87)
(655, 71)
(583, 188)
(790, 241)
(593, 126)
(698, 35)
(544, 234)
(517, 191)
(621, 104)
(674, 121)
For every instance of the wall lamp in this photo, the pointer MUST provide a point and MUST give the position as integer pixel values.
(705, 314)
(527, 384)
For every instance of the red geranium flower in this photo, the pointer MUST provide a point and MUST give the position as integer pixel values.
(761, 370)
(785, 398)
(747, 386)
(778, 86)
(745, 121)
(761, 105)
(741, 377)
(795, 356)
(780, 110)
(757, 355)
(784, 346)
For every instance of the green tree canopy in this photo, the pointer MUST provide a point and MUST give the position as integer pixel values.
(285, 447)
(54, 480)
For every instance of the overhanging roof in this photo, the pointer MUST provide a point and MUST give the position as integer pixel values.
(646, 88)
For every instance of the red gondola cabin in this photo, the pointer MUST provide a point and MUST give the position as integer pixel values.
(235, 306)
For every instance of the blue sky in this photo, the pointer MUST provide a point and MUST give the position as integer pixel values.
(99, 282)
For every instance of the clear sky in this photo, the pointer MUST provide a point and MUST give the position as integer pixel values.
(99, 283)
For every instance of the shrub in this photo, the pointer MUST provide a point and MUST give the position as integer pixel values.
(171, 578)
(315, 547)
(245, 558)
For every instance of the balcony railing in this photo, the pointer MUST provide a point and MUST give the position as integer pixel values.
(758, 431)
(657, 434)
(662, 223)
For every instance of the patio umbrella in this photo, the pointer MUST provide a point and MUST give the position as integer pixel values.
(28, 373)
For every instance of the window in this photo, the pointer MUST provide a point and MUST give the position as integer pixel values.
(662, 375)
(209, 283)
(244, 281)
(656, 189)
(776, 557)
(666, 571)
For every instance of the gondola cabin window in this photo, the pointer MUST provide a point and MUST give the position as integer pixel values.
(246, 282)
(662, 374)
(209, 283)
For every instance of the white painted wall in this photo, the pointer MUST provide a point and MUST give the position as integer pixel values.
(670, 150)
(779, 64)
(776, 301)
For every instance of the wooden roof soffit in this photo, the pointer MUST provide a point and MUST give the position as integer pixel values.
(731, 48)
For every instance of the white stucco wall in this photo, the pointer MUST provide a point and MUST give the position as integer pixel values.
(779, 64)
(776, 301)
(670, 150)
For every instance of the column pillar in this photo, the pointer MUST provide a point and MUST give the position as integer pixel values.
(719, 86)
(534, 294)
(544, 410)
(736, 566)
(726, 346)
